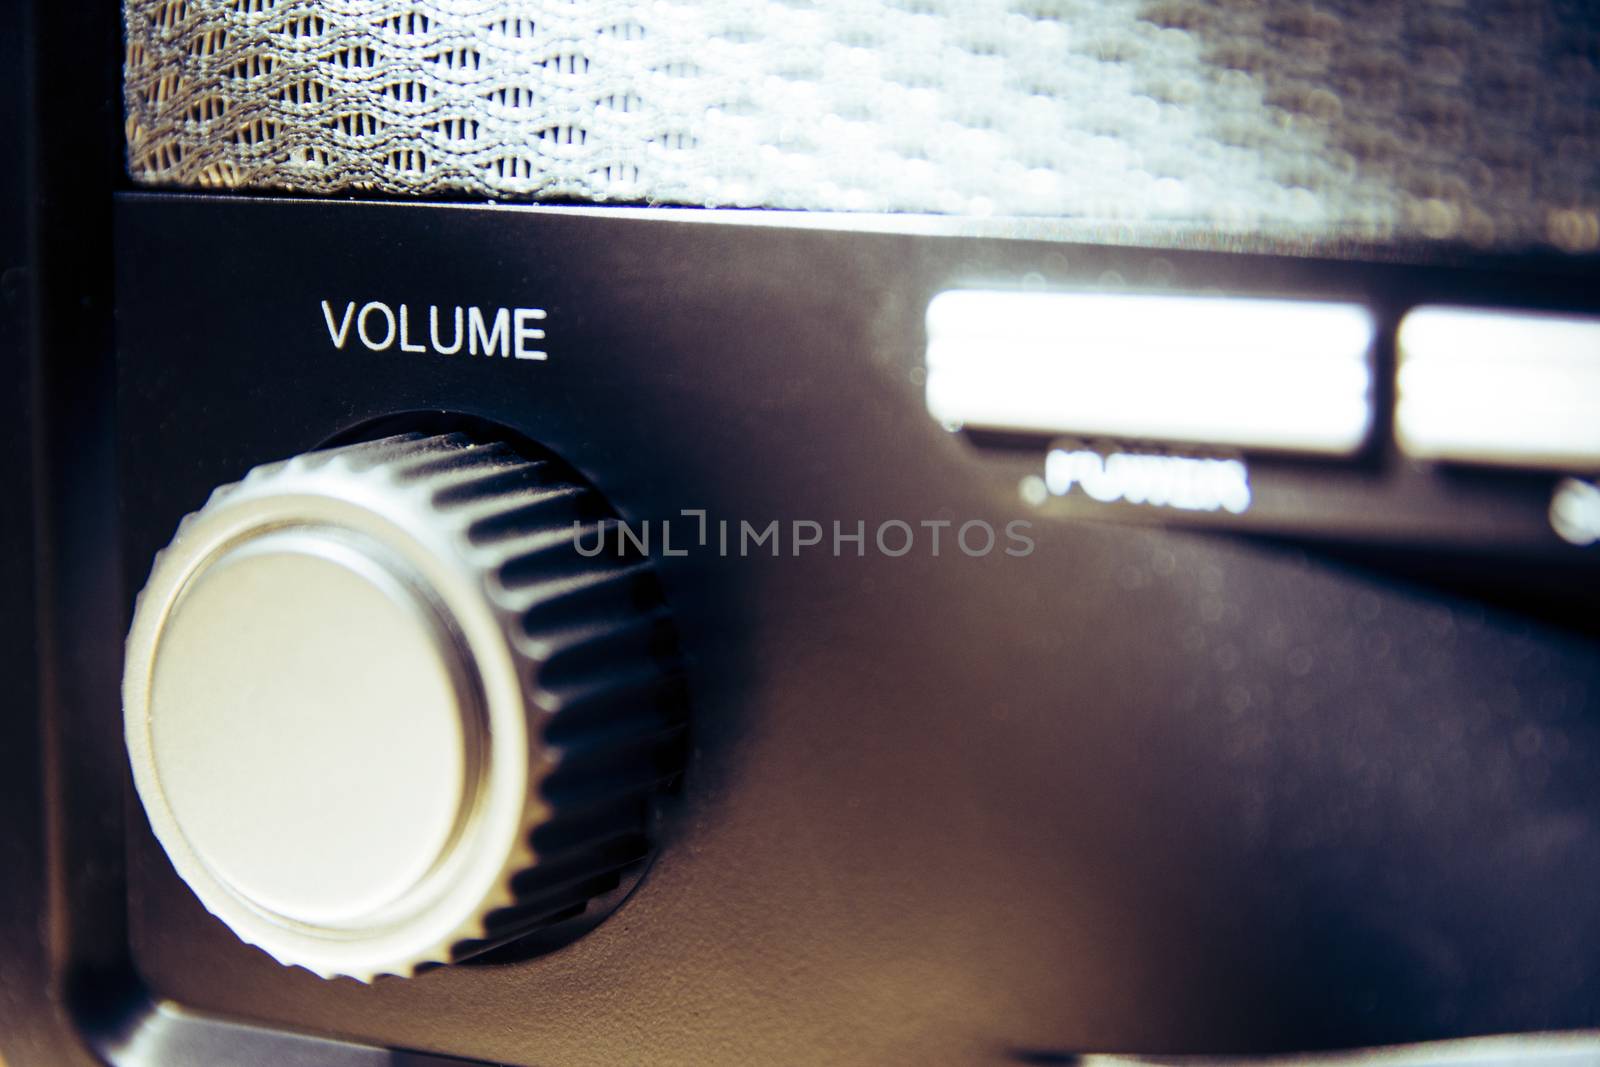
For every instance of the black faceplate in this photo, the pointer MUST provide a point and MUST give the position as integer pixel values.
(1147, 789)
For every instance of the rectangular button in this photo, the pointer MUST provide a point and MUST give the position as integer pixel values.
(1284, 375)
(1502, 387)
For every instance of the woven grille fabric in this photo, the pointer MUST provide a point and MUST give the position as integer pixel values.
(1368, 118)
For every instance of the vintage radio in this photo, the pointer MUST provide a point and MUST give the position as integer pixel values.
(914, 531)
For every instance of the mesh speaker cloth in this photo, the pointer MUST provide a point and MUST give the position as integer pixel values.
(1373, 119)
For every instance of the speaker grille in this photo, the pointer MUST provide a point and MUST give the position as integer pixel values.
(1373, 120)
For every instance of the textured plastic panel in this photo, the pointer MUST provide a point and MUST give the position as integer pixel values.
(1365, 119)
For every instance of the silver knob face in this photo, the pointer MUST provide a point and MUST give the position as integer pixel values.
(333, 708)
(340, 680)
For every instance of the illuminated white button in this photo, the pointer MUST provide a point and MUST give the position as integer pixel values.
(1502, 387)
(1245, 373)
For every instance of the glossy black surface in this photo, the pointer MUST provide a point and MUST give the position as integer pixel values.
(61, 928)
(1143, 790)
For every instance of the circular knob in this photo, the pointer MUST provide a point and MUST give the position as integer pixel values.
(389, 705)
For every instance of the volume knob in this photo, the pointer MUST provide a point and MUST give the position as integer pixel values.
(385, 710)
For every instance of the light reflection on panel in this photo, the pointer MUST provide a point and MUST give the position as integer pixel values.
(1284, 375)
(1503, 387)
(1572, 1049)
